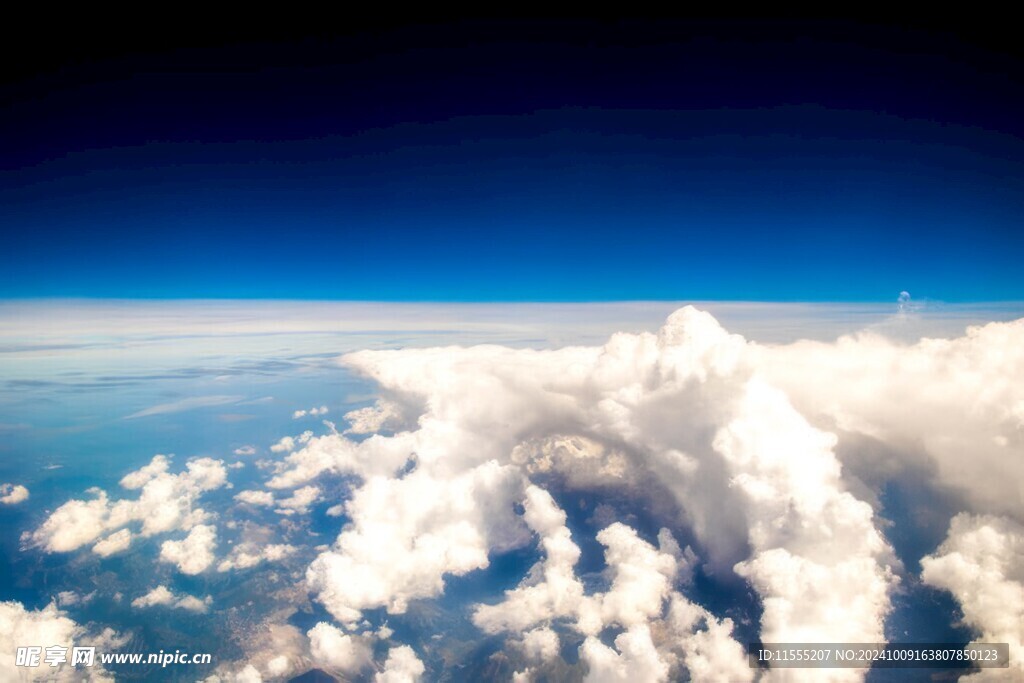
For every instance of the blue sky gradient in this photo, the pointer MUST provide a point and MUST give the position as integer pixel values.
(786, 161)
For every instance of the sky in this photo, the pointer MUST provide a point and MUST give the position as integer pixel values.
(474, 160)
(436, 349)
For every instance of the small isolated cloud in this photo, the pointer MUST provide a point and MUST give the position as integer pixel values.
(71, 598)
(247, 555)
(161, 596)
(167, 502)
(12, 494)
(299, 502)
(311, 412)
(289, 443)
(185, 404)
(193, 604)
(251, 497)
(245, 450)
(194, 554)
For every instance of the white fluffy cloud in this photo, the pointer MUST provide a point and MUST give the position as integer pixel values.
(312, 412)
(166, 502)
(164, 597)
(640, 596)
(74, 524)
(160, 595)
(816, 552)
(289, 443)
(45, 627)
(708, 650)
(539, 644)
(135, 480)
(981, 563)
(747, 470)
(245, 450)
(407, 533)
(12, 494)
(401, 666)
(299, 502)
(247, 555)
(745, 440)
(641, 581)
(260, 498)
(337, 651)
(636, 660)
(117, 542)
(272, 652)
(552, 589)
(194, 554)
(71, 598)
(383, 414)
(932, 402)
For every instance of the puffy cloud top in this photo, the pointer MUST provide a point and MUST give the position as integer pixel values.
(166, 502)
(162, 596)
(337, 651)
(401, 666)
(193, 554)
(12, 494)
(407, 533)
(981, 563)
(44, 627)
(690, 406)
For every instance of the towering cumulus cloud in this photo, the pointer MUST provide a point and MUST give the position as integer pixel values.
(730, 433)
(982, 564)
(951, 409)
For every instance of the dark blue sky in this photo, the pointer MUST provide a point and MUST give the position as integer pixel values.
(472, 160)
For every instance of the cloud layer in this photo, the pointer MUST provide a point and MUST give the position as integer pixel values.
(770, 460)
(746, 441)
